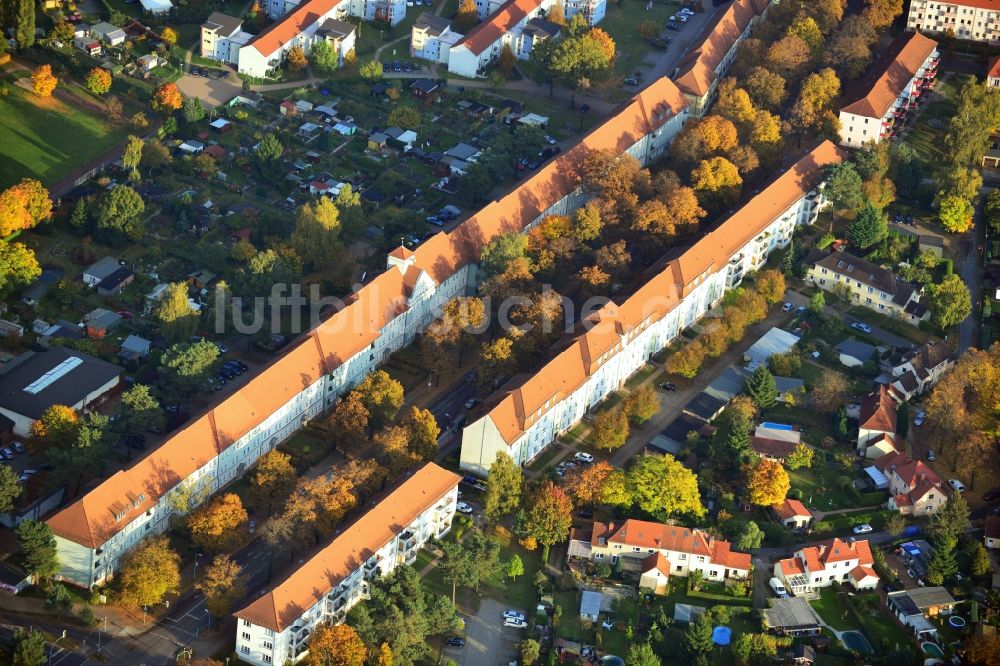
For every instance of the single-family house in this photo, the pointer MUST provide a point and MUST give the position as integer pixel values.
(813, 567)
(854, 353)
(913, 607)
(115, 282)
(134, 348)
(775, 443)
(34, 381)
(109, 34)
(792, 616)
(878, 417)
(914, 488)
(654, 575)
(867, 284)
(793, 514)
(881, 445)
(99, 322)
(631, 542)
(424, 88)
(991, 533)
(922, 368)
(96, 272)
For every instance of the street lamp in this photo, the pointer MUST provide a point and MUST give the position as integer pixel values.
(209, 619)
(196, 556)
(99, 633)
(184, 651)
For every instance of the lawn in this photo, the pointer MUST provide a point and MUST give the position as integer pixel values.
(832, 607)
(879, 626)
(622, 23)
(923, 138)
(46, 138)
(821, 489)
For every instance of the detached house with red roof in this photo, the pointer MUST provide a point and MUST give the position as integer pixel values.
(656, 551)
(877, 421)
(914, 488)
(275, 628)
(793, 514)
(893, 88)
(821, 565)
(712, 52)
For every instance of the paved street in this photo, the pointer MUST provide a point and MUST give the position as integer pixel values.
(487, 641)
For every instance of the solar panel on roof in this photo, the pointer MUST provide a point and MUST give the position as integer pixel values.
(53, 375)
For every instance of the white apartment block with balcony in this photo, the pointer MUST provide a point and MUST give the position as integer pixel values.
(381, 318)
(894, 87)
(275, 628)
(221, 38)
(973, 20)
(523, 420)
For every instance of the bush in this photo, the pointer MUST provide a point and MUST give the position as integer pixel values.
(795, 493)
(825, 241)
(775, 534)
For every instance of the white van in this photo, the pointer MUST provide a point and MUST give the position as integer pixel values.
(778, 588)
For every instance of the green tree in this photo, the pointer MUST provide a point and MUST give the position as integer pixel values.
(178, 319)
(550, 516)
(817, 303)
(843, 186)
(324, 59)
(29, 646)
(641, 405)
(148, 573)
(955, 213)
(610, 429)
(192, 110)
(750, 537)
(119, 216)
(641, 654)
(697, 639)
(515, 567)
(870, 226)
(662, 486)
(133, 156)
(269, 151)
(503, 488)
(10, 488)
(762, 388)
(24, 20)
(980, 565)
(500, 251)
(801, 456)
(950, 301)
(38, 548)
(370, 71)
(316, 237)
(382, 396)
(530, 650)
(185, 366)
(405, 117)
(18, 265)
(82, 454)
(943, 564)
(137, 411)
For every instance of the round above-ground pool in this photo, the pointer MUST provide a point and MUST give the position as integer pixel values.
(932, 649)
(612, 660)
(855, 640)
(722, 635)
(956, 621)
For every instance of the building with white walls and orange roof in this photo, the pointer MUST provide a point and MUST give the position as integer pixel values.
(275, 627)
(218, 446)
(621, 337)
(827, 562)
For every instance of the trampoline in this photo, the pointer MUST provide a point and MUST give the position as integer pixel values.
(956, 621)
(722, 635)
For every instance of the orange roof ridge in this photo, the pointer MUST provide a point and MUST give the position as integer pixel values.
(890, 74)
(497, 24)
(696, 70)
(354, 545)
(291, 24)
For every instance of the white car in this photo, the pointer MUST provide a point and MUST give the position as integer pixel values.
(864, 328)
(957, 485)
(687, 11)
(585, 457)
(7, 454)
(511, 614)
(919, 420)
(778, 588)
(787, 307)
(462, 507)
(862, 529)
(549, 140)
(514, 623)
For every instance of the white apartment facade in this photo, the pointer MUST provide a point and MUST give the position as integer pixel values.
(896, 86)
(973, 20)
(222, 37)
(381, 318)
(275, 628)
(622, 337)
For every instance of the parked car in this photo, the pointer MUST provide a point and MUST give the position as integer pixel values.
(7, 454)
(669, 387)
(778, 588)
(510, 613)
(631, 81)
(585, 457)
(549, 140)
(462, 507)
(455, 641)
(223, 349)
(18, 447)
(931, 457)
(992, 495)
(515, 624)
(437, 222)
(397, 66)
(687, 11)
(864, 528)
(673, 26)
(787, 307)
(660, 44)
(864, 328)
(919, 419)
(471, 403)
(957, 485)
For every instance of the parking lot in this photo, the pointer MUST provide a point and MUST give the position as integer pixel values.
(487, 641)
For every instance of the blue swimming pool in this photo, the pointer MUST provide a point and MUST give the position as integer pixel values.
(776, 426)
(855, 640)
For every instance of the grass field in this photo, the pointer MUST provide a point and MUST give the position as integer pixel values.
(46, 138)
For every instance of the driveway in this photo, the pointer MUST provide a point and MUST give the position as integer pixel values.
(487, 641)
(762, 570)
(210, 90)
(883, 336)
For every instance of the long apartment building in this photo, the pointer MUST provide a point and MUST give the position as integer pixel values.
(525, 418)
(894, 87)
(974, 20)
(518, 24)
(638, 543)
(218, 446)
(276, 627)
(712, 53)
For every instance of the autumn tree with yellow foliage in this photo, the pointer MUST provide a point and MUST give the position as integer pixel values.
(222, 585)
(337, 645)
(220, 525)
(767, 482)
(43, 82)
(148, 573)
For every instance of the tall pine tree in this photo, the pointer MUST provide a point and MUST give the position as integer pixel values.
(24, 31)
(762, 388)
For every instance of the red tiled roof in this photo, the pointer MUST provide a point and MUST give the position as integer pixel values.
(878, 411)
(696, 70)
(656, 561)
(645, 534)
(773, 448)
(993, 69)
(497, 24)
(791, 566)
(890, 75)
(792, 508)
(291, 24)
(859, 573)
